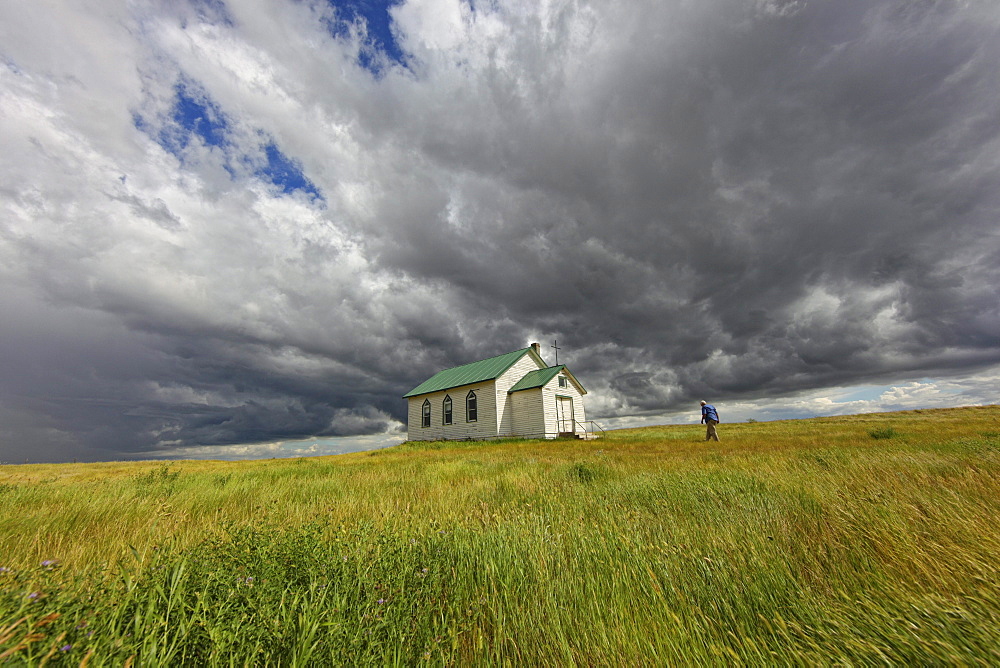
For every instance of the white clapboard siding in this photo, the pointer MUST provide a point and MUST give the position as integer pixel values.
(529, 416)
(483, 427)
(507, 380)
(550, 391)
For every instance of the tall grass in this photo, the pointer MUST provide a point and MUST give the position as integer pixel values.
(788, 542)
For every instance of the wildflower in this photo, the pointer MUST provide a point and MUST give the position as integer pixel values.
(49, 563)
(381, 601)
(65, 648)
(4, 569)
(33, 595)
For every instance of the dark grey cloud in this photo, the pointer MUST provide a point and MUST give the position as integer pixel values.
(723, 199)
(765, 187)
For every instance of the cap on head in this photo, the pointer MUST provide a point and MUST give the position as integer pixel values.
(703, 402)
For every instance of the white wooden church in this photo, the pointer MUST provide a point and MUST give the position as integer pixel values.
(515, 394)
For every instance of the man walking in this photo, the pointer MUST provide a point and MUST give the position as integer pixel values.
(710, 417)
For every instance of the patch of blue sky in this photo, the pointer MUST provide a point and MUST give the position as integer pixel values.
(944, 388)
(876, 392)
(380, 46)
(195, 115)
(312, 447)
(192, 115)
(286, 173)
(861, 393)
(198, 115)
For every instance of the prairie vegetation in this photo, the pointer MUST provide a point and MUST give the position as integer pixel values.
(849, 540)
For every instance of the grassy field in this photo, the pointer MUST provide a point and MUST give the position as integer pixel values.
(870, 539)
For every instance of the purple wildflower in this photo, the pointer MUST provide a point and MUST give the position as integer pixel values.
(33, 595)
(49, 562)
(381, 601)
(65, 648)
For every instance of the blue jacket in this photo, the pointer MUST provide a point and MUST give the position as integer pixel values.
(708, 411)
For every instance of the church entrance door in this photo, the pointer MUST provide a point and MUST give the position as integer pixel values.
(564, 415)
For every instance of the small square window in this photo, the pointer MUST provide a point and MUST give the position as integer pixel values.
(563, 382)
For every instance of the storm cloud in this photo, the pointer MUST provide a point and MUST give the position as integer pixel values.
(239, 222)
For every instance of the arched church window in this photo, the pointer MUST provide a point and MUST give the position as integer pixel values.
(447, 409)
(471, 407)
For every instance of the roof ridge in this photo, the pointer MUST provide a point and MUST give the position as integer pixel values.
(486, 359)
(489, 368)
(536, 378)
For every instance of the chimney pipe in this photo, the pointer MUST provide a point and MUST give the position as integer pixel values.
(537, 348)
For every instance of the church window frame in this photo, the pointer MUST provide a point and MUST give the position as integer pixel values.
(471, 407)
(425, 413)
(446, 410)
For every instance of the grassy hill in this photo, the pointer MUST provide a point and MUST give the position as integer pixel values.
(860, 539)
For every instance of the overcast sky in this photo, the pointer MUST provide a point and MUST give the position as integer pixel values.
(229, 225)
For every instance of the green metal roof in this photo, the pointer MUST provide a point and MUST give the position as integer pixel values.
(475, 372)
(536, 378)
